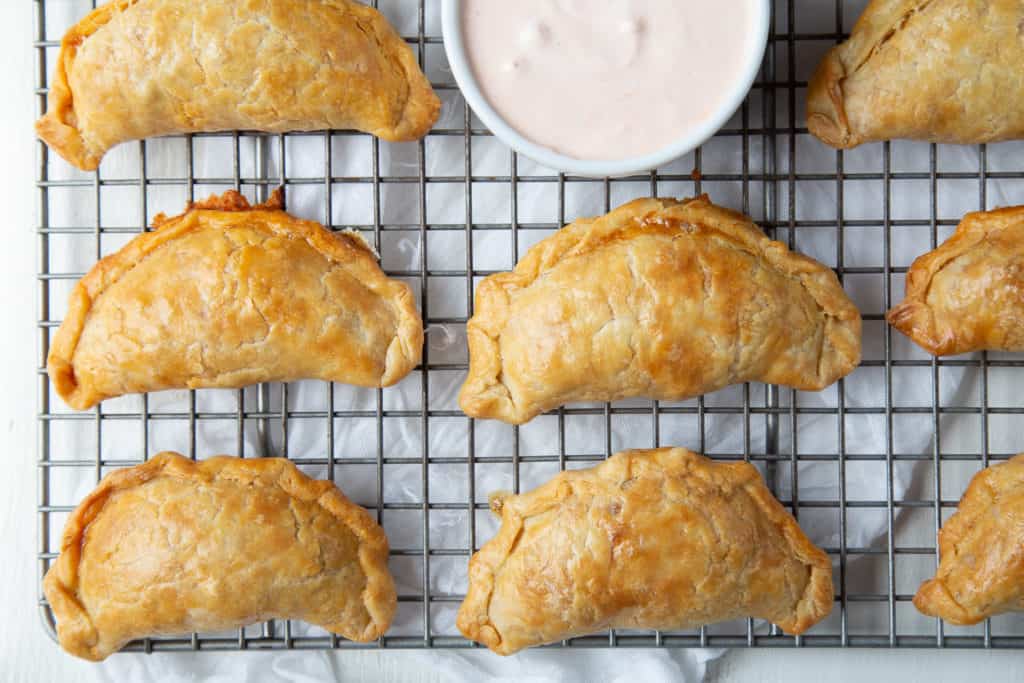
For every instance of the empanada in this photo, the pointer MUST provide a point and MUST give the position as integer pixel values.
(660, 539)
(226, 295)
(981, 571)
(174, 546)
(937, 70)
(662, 299)
(133, 69)
(968, 294)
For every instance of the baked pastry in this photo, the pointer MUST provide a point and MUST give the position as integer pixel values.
(981, 571)
(937, 70)
(659, 539)
(228, 295)
(659, 298)
(968, 294)
(174, 546)
(134, 69)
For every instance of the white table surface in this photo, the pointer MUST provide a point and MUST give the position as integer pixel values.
(26, 654)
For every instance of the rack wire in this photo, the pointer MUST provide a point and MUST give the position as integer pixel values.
(772, 170)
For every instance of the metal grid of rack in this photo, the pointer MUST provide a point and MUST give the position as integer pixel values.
(772, 169)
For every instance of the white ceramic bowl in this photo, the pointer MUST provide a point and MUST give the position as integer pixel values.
(689, 140)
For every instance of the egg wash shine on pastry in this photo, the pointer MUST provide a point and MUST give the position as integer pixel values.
(599, 80)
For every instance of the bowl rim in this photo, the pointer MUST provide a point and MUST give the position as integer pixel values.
(455, 49)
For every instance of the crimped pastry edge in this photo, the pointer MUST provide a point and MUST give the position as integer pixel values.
(74, 625)
(403, 354)
(826, 104)
(473, 618)
(58, 126)
(913, 316)
(484, 395)
(934, 598)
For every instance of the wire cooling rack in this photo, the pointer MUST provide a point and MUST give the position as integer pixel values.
(871, 467)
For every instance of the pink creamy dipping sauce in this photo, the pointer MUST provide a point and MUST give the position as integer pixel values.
(608, 79)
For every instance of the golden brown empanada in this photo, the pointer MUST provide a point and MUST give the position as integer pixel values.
(937, 70)
(968, 294)
(134, 69)
(174, 546)
(659, 298)
(981, 571)
(659, 539)
(226, 295)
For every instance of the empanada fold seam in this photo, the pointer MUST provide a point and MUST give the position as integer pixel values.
(378, 595)
(474, 616)
(60, 584)
(486, 361)
(54, 127)
(422, 106)
(405, 350)
(826, 104)
(935, 599)
(816, 600)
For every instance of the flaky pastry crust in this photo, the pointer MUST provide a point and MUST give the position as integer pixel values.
(174, 546)
(134, 69)
(981, 549)
(228, 295)
(968, 295)
(937, 70)
(660, 298)
(649, 539)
